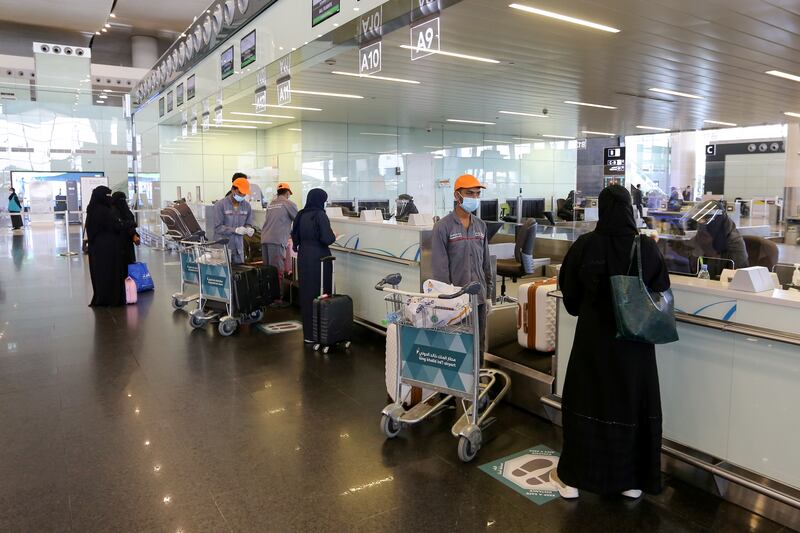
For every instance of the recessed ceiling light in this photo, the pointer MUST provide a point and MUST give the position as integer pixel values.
(246, 121)
(785, 75)
(108, 25)
(537, 115)
(674, 93)
(381, 78)
(380, 134)
(568, 137)
(589, 132)
(653, 128)
(333, 95)
(790, 114)
(720, 123)
(586, 104)
(112, 15)
(100, 102)
(564, 18)
(450, 54)
(97, 33)
(461, 121)
(103, 96)
(260, 115)
(104, 30)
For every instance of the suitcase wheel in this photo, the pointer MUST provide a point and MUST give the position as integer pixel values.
(316, 347)
(326, 349)
(347, 345)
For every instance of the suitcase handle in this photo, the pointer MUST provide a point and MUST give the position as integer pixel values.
(332, 260)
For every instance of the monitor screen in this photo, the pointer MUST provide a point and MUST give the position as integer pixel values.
(226, 63)
(512, 207)
(369, 205)
(190, 87)
(532, 207)
(179, 95)
(489, 210)
(347, 204)
(248, 48)
(322, 10)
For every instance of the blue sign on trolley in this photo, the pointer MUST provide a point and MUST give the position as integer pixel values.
(438, 358)
(190, 273)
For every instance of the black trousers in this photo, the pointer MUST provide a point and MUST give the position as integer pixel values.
(16, 221)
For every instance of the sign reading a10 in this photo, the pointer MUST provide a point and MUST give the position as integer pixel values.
(369, 59)
(425, 39)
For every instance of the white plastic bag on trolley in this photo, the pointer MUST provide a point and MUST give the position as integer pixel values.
(434, 312)
(391, 368)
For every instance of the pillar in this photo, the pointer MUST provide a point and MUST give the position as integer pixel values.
(144, 51)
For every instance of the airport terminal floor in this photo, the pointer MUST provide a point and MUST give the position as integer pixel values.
(126, 419)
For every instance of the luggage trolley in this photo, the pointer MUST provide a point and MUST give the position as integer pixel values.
(216, 290)
(444, 358)
(190, 275)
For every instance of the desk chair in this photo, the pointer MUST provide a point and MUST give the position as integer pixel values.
(760, 251)
(522, 263)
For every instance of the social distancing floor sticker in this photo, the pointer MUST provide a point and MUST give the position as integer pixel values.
(527, 472)
(280, 327)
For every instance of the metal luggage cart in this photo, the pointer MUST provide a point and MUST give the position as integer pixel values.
(190, 275)
(217, 302)
(444, 358)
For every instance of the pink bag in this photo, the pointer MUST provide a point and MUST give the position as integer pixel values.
(131, 295)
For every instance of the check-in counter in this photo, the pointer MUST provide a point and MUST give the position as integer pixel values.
(730, 386)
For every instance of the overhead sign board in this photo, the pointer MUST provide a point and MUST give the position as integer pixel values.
(261, 91)
(614, 161)
(426, 39)
(370, 59)
(284, 85)
(322, 10)
(285, 92)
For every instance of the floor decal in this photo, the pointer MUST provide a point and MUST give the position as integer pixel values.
(527, 472)
(280, 327)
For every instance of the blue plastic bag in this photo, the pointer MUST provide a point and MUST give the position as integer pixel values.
(141, 276)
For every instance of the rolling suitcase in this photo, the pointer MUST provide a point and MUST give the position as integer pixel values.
(252, 247)
(255, 287)
(180, 221)
(536, 316)
(332, 318)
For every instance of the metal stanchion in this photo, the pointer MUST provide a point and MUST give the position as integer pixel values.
(69, 252)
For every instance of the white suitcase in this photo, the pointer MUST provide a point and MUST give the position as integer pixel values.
(536, 316)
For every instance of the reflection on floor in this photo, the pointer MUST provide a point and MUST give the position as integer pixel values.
(128, 420)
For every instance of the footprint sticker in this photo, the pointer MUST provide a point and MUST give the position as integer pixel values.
(538, 469)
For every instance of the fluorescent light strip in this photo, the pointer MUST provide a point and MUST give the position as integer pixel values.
(232, 126)
(467, 144)
(790, 114)
(535, 139)
(460, 121)
(450, 54)
(246, 121)
(537, 115)
(674, 93)
(241, 114)
(295, 129)
(559, 137)
(380, 134)
(720, 123)
(652, 128)
(333, 95)
(564, 18)
(589, 132)
(784, 75)
(586, 104)
(496, 141)
(298, 108)
(381, 78)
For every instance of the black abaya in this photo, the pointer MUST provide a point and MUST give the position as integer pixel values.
(128, 220)
(106, 268)
(311, 236)
(611, 402)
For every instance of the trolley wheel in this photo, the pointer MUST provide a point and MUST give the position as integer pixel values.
(466, 450)
(390, 428)
(177, 304)
(316, 347)
(326, 349)
(257, 315)
(196, 322)
(227, 326)
(347, 345)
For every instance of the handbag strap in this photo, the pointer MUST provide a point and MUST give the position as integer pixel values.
(635, 250)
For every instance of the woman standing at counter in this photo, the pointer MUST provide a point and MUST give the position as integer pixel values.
(311, 237)
(611, 402)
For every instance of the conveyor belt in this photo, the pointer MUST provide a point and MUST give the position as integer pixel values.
(539, 361)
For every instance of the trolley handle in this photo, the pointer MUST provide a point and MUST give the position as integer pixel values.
(472, 288)
(391, 279)
(218, 241)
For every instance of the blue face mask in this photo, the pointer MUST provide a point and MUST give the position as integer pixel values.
(238, 197)
(470, 204)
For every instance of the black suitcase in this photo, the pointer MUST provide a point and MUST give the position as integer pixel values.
(180, 221)
(254, 287)
(332, 318)
(252, 247)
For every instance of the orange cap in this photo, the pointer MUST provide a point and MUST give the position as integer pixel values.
(284, 185)
(467, 181)
(243, 185)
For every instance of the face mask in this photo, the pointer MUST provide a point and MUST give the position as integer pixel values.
(238, 197)
(469, 204)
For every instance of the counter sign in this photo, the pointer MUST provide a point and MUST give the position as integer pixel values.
(425, 39)
(614, 164)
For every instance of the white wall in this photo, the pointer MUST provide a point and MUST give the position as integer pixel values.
(755, 175)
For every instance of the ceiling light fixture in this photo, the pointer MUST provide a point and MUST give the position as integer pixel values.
(479, 122)
(784, 75)
(333, 95)
(527, 139)
(564, 18)
(589, 132)
(586, 104)
(450, 54)
(380, 134)
(232, 126)
(112, 15)
(103, 30)
(720, 123)
(537, 115)
(653, 128)
(107, 25)
(100, 102)
(496, 141)
(790, 114)
(246, 121)
(674, 93)
(260, 115)
(568, 137)
(293, 107)
(381, 78)
(295, 129)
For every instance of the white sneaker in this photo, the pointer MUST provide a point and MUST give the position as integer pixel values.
(566, 492)
(632, 494)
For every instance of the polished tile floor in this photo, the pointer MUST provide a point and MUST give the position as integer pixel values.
(128, 420)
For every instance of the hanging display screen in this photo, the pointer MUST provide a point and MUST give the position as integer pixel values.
(322, 10)
(190, 87)
(160, 107)
(226, 63)
(170, 100)
(179, 96)
(248, 49)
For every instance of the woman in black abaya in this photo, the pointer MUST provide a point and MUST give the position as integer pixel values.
(128, 237)
(611, 402)
(106, 268)
(311, 237)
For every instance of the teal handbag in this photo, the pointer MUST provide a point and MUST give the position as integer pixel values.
(642, 315)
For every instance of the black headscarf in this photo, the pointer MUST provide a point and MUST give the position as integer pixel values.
(615, 212)
(98, 213)
(119, 201)
(101, 196)
(315, 201)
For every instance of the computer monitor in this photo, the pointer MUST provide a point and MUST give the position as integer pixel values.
(348, 205)
(489, 210)
(370, 205)
(531, 207)
(512, 207)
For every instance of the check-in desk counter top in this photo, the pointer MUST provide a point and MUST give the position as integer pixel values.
(730, 386)
(367, 251)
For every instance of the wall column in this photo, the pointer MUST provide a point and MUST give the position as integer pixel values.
(144, 51)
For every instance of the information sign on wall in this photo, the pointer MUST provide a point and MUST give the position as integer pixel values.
(614, 161)
(425, 39)
(322, 10)
(370, 33)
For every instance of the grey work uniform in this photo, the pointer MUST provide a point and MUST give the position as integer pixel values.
(461, 256)
(226, 219)
(281, 212)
